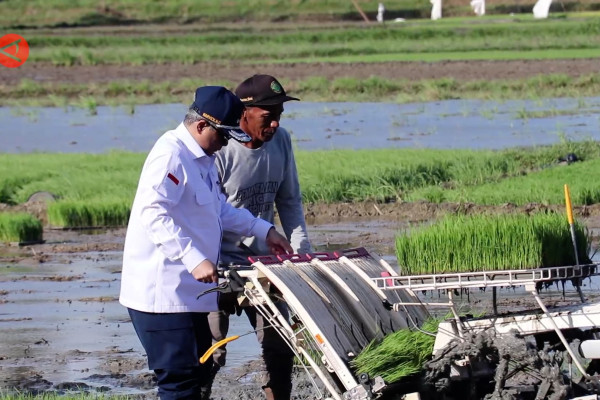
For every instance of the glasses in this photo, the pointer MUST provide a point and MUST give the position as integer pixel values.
(224, 134)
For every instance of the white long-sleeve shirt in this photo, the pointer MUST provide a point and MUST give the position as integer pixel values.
(261, 180)
(176, 222)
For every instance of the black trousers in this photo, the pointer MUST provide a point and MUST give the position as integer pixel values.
(174, 343)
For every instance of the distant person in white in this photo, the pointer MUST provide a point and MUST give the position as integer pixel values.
(261, 176)
(380, 11)
(541, 9)
(174, 238)
(436, 9)
(478, 7)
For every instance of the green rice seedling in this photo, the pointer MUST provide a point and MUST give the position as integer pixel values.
(130, 108)
(543, 186)
(64, 58)
(88, 58)
(399, 354)
(72, 214)
(20, 227)
(414, 41)
(312, 89)
(490, 243)
(29, 87)
(518, 176)
(90, 104)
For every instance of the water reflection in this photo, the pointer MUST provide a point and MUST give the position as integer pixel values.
(446, 124)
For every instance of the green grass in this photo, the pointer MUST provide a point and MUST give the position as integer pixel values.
(497, 55)
(491, 38)
(98, 189)
(93, 190)
(542, 187)
(490, 243)
(506, 39)
(20, 228)
(36, 13)
(118, 93)
(90, 214)
(435, 175)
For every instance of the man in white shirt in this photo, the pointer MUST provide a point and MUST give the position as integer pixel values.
(174, 238)
(260, 175)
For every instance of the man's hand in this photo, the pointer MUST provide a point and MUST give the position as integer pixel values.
(205, 272)
(277, 243)
(228, 302)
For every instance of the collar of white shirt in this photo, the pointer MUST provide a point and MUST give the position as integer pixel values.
(181, 132)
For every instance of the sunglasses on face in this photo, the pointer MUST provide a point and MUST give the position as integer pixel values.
(224, 134)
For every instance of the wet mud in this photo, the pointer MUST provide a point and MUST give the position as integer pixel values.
(63, 329)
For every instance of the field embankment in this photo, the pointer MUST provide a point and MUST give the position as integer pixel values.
(493, 57)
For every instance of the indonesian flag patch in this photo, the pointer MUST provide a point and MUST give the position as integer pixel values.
(173, 178)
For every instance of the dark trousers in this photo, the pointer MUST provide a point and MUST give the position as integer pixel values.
(278, 357)
(174, 343)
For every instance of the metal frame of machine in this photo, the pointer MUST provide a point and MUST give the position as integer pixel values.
(327, 293)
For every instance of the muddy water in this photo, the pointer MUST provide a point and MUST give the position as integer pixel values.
(445, 124)
(60, 320)
(62, 326)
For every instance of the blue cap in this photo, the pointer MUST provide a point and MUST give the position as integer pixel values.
(222, 109)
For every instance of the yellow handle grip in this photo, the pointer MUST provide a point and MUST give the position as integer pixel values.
(216, 346)
(569, 206)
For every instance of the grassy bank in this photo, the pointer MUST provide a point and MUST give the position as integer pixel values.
(521, 189)
(97, 190)
(568, 36)
(36, 13)
(132, 93)
(422, 41)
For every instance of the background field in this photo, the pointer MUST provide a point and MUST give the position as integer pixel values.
(88, 53)
(125, 52)
(61, 13)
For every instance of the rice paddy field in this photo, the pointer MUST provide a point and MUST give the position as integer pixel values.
(97, 190)
(90, 53)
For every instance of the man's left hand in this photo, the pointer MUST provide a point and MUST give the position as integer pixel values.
(277, 243)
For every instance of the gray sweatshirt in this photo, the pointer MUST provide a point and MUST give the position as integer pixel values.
(261, 180)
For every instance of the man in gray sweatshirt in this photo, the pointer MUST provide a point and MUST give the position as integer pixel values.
(260, 176)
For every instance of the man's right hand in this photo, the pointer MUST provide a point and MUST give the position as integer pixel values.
(205, 272)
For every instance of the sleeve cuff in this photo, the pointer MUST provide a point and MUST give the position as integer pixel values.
(192, 258)
(261, 228)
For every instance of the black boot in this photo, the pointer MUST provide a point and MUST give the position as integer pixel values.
(206, 390)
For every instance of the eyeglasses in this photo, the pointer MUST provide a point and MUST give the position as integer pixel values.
(224, 134)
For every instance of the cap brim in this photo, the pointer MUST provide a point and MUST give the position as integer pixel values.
(235, 133)
(271, 101)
